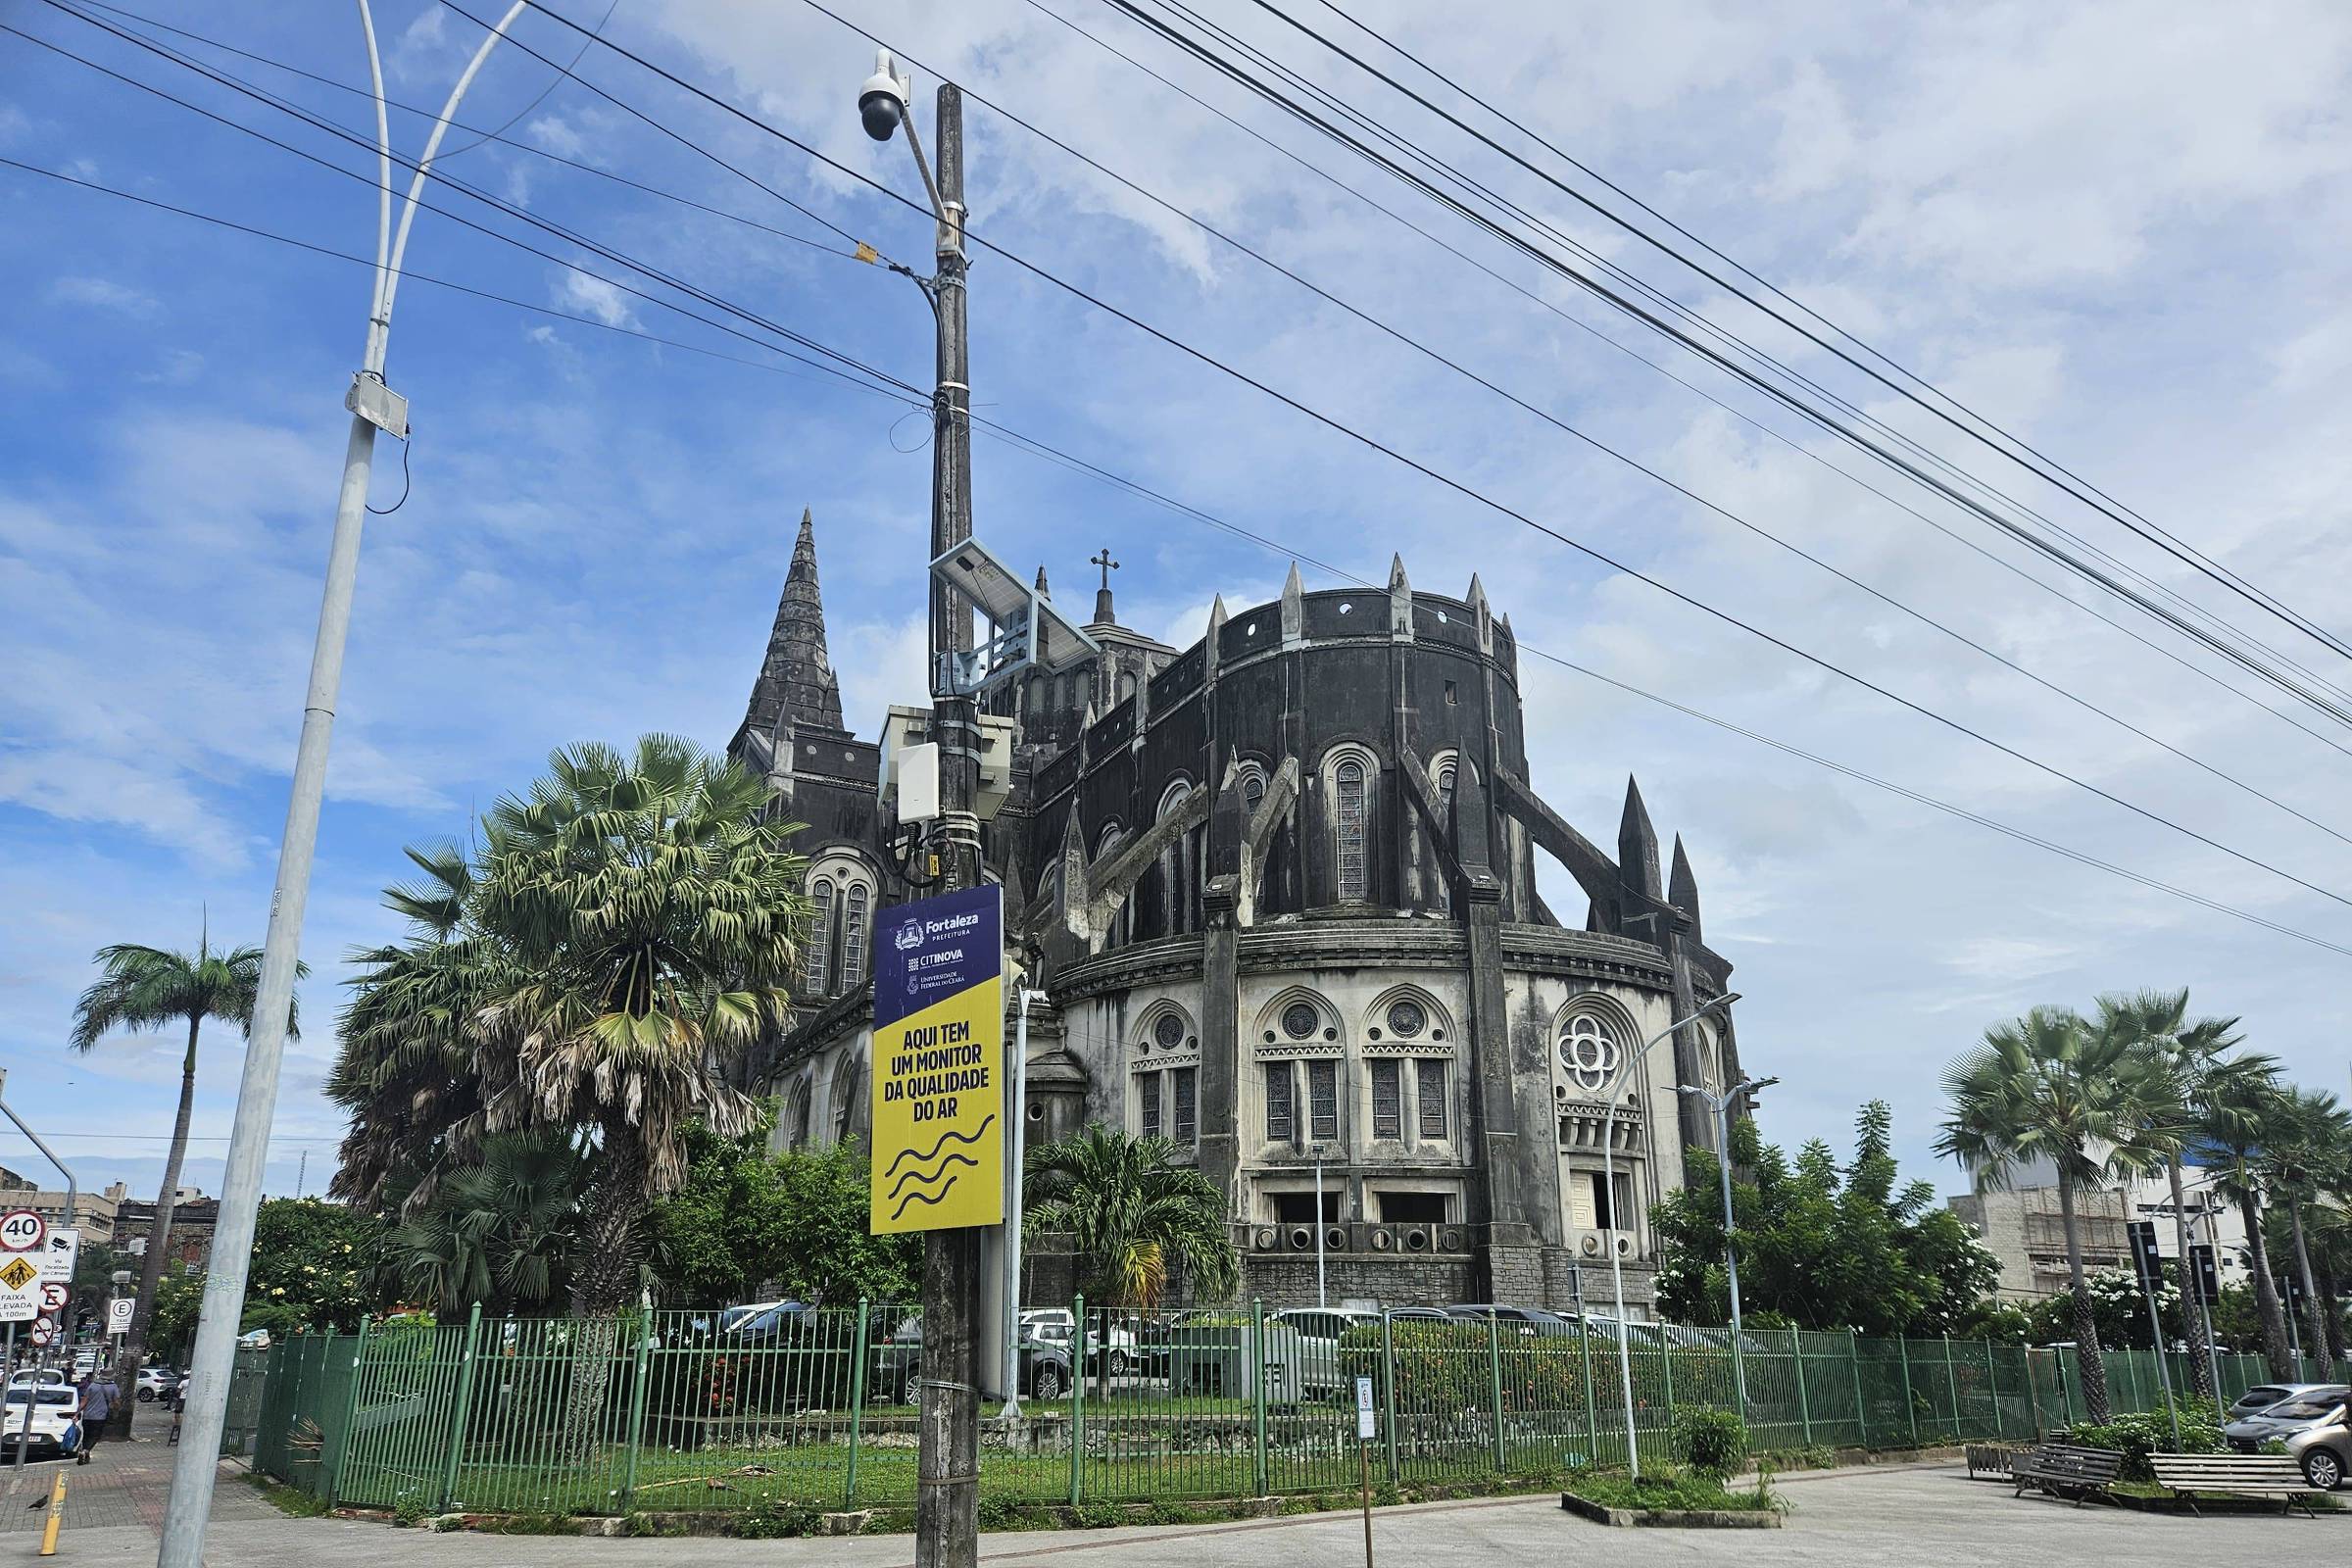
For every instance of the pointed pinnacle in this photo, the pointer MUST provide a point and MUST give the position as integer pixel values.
(1397, 578)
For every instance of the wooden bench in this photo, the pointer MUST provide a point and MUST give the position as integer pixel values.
(1989, 1462)
(2253, 1475)
(2067, 1470)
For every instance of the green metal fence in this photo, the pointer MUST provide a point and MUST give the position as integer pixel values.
(684, 1410)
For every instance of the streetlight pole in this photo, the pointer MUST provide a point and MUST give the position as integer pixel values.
(1721, 1105)
(1016, 1146)
(373, 406)
(947, 1519)
(1320, 1299)
(1608, 1182)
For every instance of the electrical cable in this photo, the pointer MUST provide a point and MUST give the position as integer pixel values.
(1797, 404)
(537, 98)
(1766, 283)
(1758, 425)
(2186, 556)
(386, 511)
(461, 186)
(1079, 464)
(518, 146)
(1460, 487)
(1548, 417)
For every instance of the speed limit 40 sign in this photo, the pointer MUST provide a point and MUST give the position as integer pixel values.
(22, 1230)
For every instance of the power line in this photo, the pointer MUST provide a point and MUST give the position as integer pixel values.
(498, 137)
(1571, 429)
(506, 208)
(1656, 324)
(1079, 464)
(1693, 387)
(1460, 487)
(2065, 482)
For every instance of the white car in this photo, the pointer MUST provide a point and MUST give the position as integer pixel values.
(1117, 1350)
(155, 1383)
(37, 1374)
(1320, 1329)
(55, 1425)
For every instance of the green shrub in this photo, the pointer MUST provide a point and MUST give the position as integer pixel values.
(776, 1518)
(1099, 1515)
(1443, 1367)
(1710, 1443)
(2142, 1433)
(409, 1511)
(1667, 1489)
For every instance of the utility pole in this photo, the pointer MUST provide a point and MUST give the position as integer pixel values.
(374, 405)
(1721, 1105)
(947, 1504)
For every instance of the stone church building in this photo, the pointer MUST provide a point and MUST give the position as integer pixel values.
(1279, 886)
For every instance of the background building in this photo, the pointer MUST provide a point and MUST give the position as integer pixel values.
(1279, 886)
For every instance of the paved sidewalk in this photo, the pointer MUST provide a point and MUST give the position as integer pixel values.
(1862, 1518)
(120, 1491)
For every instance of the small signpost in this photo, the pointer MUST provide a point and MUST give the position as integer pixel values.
(1367, 1425)
(118, 1313)
(59, 1254)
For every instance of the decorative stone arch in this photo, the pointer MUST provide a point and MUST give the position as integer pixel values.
(1350, 776)
(1601, 1035)
(1179, 862)
(1249, 780)
(849, 1075)
(1276, 1032)
(844, 886)
(1433, 1034)
(1165, 1031)
(1122, 925)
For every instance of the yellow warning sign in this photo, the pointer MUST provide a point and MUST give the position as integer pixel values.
(17, 1274)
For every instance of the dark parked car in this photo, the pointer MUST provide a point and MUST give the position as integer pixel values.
(1525, 1320)
(898, 1365)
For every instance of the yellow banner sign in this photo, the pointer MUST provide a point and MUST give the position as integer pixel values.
(938, 1069)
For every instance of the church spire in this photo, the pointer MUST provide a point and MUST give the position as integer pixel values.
(1681, 888)
(796, 680)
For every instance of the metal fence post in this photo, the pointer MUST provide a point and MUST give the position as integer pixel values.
(1910, 1407)
(1804, 1401)
(1258, 1395)
(1078, 1396)
(1993, 1390)
(1388, 1379)
(860, 1349)
(1494, 1387)
(463, 1409)
(1951, 1381)
(1584, 1336)
(644, 1354)
(1853, 1351)
(351, 1415)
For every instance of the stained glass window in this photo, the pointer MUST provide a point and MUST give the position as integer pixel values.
(1348, 782)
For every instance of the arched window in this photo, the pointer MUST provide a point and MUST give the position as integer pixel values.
(845, 1097)
(1347, 804)
(817, 956)
(1179, 863)
(1588, 1051)
(853, 941)
(796, 1114)
(1254, 791)
(1126, 684)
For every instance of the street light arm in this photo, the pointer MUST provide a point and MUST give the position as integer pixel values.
(923, 165)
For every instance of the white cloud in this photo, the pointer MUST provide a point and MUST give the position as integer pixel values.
(103, 294)
(595, 298)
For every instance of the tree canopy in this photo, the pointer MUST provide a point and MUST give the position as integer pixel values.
(743, 1218)
(1820, 1245)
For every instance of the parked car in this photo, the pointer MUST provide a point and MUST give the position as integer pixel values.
(155, 1383)
(254, 1339)
(1055, 1325)
(2313, 1424)
(37, 1374)
(56, 1423)
(1320, 1329)
(1418, 1315)
(2261, 1395)
(1525, 1320)
(734, 1317)
(898, 1365)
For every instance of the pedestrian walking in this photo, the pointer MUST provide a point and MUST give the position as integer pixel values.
(97, 1405)
(180, 1404)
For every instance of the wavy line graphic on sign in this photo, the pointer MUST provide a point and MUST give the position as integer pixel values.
(931, 1175)
(923, 1197)
(945, 1139)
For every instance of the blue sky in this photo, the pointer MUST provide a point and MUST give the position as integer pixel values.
(2119, 230)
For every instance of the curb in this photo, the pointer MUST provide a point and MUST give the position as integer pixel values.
(1671, 1518)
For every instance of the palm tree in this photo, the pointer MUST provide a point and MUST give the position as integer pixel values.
(2236, 1127)
(2305, 1159)
(649, 919)
(150, 988)
(1134, 1213)
(2157, 1021)
(499, 1231)
(404, 1068)
(2049, 1088)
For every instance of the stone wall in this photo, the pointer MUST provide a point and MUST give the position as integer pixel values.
(1287, 1279)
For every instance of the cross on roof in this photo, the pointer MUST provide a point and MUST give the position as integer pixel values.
(1108, 564)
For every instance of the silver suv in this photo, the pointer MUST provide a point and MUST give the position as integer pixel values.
(2313, 1423)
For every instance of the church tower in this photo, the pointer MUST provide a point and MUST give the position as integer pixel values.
(796, 681)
